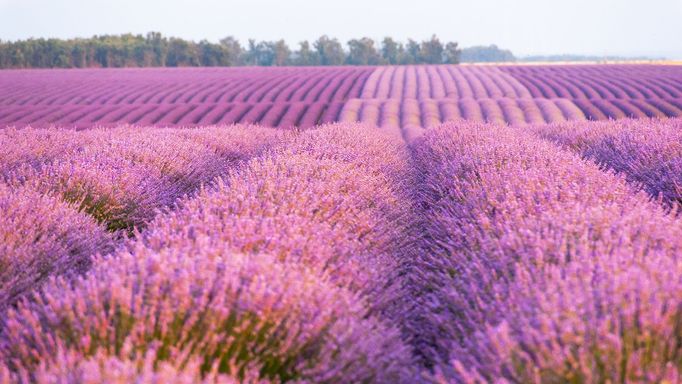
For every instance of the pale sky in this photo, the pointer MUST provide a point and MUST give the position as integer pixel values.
(595, 27)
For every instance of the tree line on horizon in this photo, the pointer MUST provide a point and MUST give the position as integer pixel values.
(156, 50)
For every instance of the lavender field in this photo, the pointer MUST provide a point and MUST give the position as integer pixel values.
(405, 99)
(391, 224)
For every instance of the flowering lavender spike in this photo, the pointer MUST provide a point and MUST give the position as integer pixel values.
(42, 237)
(540, 267)
(647, 151)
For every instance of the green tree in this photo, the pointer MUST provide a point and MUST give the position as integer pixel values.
(432, 51)
(306, 55)
(153, 49)
(233, 51)
(159, 47)
(452, 53)
(391, 51)
(362, 52)
(486, 54)
(210, 55)
(181, 54)
(281, 52)
(251, 54)
(412, 53)
(330, 51)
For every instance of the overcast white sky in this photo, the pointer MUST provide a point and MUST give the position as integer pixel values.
(599, 27)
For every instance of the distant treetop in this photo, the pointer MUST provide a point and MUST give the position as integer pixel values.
(155, 50)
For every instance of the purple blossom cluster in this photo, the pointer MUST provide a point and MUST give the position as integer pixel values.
(647, 151)
(42, 236)
(122, 176)
(280, 270)
(320, 183)
(203, 311)
(541, 267)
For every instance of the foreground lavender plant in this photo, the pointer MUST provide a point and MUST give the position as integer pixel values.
(33, 147)
(277, 273)
(231, 313)
(73, 368)
(332, 199)
(121, 177)
(41, 237)
(647, 151)
(544, 268)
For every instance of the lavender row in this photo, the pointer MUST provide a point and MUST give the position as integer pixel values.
(441, 81)
(203, 312)
(280, 271)
(597, 93)
(542, 267)
(181, 86)
(647, 151)
(412, 116)
(600, 81)
(342, 182)
(122, 176)
(279, 115)
(607, 109)
(63, 190)
(305, 97)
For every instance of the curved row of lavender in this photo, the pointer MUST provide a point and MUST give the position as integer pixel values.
(412, 118)
(417, 97)
(307, 96)
(539, 267)
(282, 269)
(181, 85)
(648, 152)
(275, 97)
(278, 115)
(639, 82)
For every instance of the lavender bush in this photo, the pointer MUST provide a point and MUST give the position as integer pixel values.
(278, 272)
(122, 177)
(543, 267)
(42, 237)
(316, 201)
(647, 151)
(195, 304)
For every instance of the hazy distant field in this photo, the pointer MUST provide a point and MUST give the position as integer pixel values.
(507, 224)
